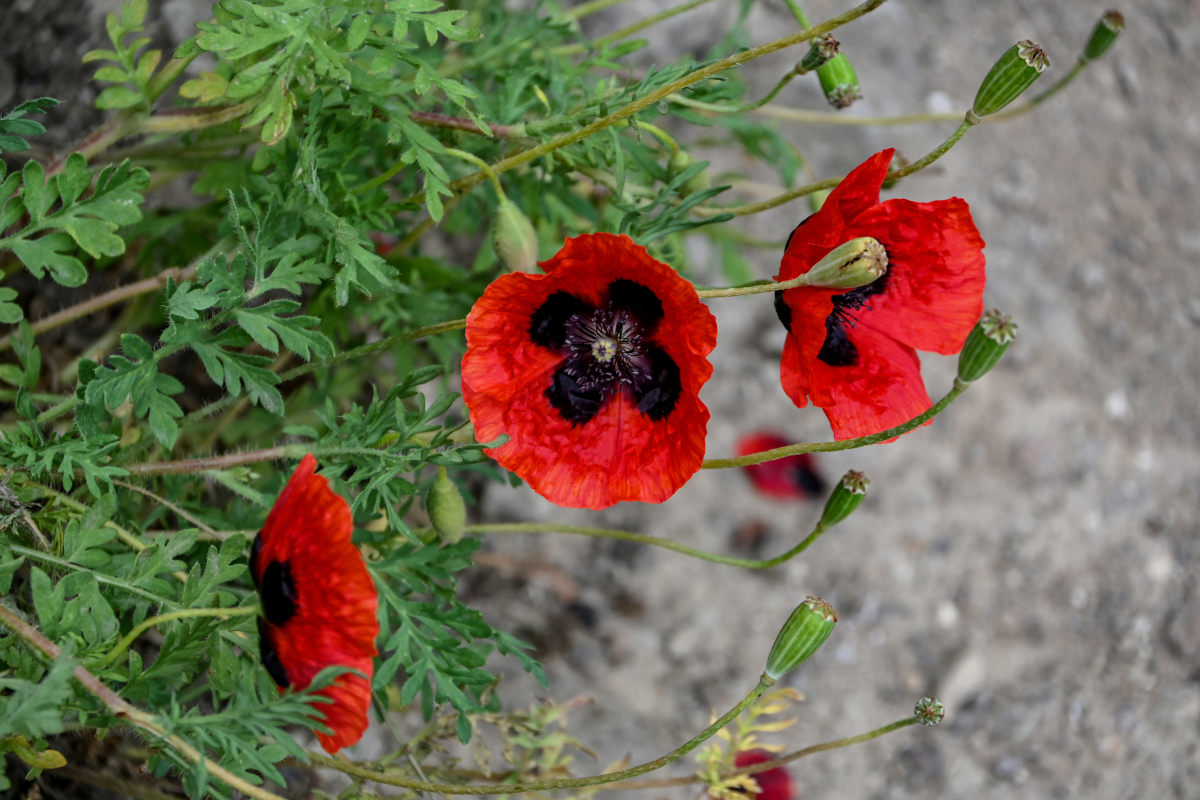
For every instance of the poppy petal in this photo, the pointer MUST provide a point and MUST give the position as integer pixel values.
(319, 600)
(935, 279)
(577, 440)
(881, 390)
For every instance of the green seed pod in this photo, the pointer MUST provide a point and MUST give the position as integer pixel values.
(513, 238)
(849, 493)
(856, 263)
(929, 711)
(681, 161)
(805, 630)
(822, 49)
(1103, 35)
(985, 345)
(1012, 74)
(446, 509)
(839, 81)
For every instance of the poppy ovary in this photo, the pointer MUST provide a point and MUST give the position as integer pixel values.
(856, 263)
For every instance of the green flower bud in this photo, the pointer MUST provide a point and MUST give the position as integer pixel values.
(513, 238)
(446, 509)
(1103, 35)
(839, 81)
(849, 493)
(1012, 74)
(929, 711)
(986, 343)
(856, 263)
(822, 49)
(805, 630)
(681, 161)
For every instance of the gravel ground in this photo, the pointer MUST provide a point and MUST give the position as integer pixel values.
(1032, 557)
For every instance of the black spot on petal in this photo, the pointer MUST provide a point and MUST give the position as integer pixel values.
(658, 392)
(278, 593)
(788, 243)
(783, 311)
(574, 403)
(637, 300)
(548, 325)
(270, 657)
(837, 350)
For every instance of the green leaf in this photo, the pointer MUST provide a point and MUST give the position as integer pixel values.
(10, 312)
(135, 377)
(115, 97)
(36, 709)
(14, 129)
(50, 252)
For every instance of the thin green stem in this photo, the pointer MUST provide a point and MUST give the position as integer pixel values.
(483, 165)
(665, 783)
(374, 347)
(837, 118)
(758, 287)
(844, 444)
(801, 191)
(190, 466)
(742, 108)
(654, 541)
(628, 30)
(794, 7)
(715, 68)
(186, 613)
(584, 9)
(659, 134)
(396, 779)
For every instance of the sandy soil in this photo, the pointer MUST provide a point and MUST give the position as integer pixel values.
(1032, 557)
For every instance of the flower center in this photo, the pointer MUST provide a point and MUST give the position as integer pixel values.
(606, 349)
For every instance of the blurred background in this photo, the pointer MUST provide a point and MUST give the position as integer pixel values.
(1031, 558)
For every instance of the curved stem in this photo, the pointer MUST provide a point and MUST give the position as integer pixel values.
(483, 165)
(628, 30)
(123, 710)
(741, 108)
(654, 541)
(715, 68)
(186, 613)
(835, 744)
(844, 444)
(209, 463)
(374, 347)
(394, 779)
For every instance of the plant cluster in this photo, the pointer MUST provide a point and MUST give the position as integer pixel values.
(308, 306)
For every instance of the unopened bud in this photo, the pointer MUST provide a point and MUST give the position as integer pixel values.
(1104, 34)
(1012, 74)
(929, 711)
(849, 493)
(985, 345)
(446, 509)
(514, 238)
(817, 199)
(805, 630)
(856, 263)
(822, 49)
(698, 181)
(839, 81)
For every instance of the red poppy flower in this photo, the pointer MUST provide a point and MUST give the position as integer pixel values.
(774, 783)
(853, 352)
(786, 478)
(594, 371)
(318, 601)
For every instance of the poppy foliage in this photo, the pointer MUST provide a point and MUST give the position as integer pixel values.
(853, 352)
(318, 601)
(593, 370)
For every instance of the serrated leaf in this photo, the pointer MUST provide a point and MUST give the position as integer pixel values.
(10, 312)
(50, 252)
(207, 88)
(117, 97)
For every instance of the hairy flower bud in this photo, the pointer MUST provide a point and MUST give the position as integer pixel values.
(1012, 74)
(805, 630)
(985, 345)
(856, 263)
(514, 238)
(849, 493)
(697, 182)
(446, 509)
(839, 81)
(822, 49)
(1103, 35)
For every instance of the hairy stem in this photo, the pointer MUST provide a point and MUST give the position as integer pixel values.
(186, 613)
(844, 444)
(128, 713)
(654, 541)
(395, 779)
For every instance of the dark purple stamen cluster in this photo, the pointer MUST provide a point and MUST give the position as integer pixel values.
(605, 348)
(277, 591)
